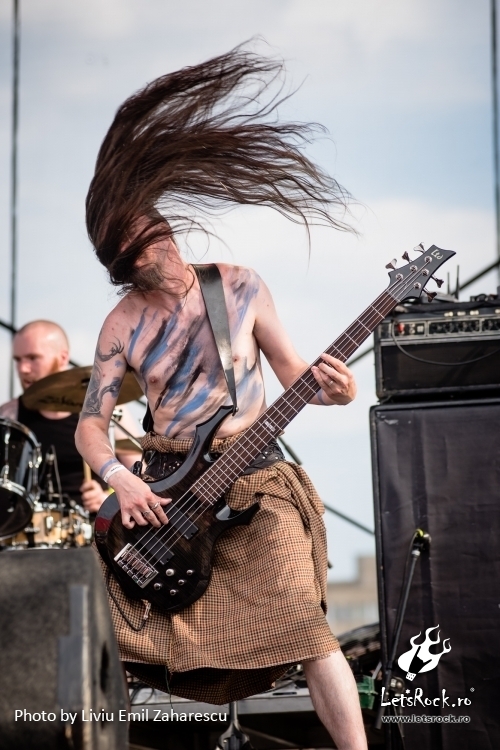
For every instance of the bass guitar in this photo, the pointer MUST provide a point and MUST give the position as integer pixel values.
(171, 566)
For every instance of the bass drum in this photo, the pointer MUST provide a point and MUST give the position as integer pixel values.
(20, 457)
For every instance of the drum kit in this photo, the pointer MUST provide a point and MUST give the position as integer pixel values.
(34, 512)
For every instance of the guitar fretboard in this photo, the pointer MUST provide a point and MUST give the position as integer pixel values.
(219, 477)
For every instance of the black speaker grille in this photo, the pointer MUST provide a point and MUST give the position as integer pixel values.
(437, 467)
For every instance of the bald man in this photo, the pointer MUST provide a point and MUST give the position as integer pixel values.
(41, 348)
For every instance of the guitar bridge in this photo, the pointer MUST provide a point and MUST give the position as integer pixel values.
(136, 566)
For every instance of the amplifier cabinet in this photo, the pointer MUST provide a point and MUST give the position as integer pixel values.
(439, 348)
(436, 467)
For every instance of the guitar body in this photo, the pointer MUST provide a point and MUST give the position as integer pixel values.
(178, 559)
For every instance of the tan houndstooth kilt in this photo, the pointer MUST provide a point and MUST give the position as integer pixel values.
(264, 608)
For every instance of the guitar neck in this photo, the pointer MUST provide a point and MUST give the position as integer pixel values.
(219, 477)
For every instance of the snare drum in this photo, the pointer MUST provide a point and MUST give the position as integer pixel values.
(20, 458)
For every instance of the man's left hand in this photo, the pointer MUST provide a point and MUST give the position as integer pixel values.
(336, 380)
(93, 495)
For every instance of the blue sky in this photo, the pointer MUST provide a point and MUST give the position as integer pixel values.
(403, 87)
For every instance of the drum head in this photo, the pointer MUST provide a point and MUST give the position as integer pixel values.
(15, 512)
(19, 461)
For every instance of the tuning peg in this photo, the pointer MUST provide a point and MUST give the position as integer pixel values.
(406, 257)
(430, 295)
(392, 264)
(419, 248)
(439, 282)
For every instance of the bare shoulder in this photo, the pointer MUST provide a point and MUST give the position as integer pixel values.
(10, 410)
(238, 274)
(119, 324)
(244, 283)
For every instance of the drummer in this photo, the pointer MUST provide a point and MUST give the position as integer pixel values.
(41, 348)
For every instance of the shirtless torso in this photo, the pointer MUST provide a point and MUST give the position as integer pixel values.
(172, 352)
(168, 343)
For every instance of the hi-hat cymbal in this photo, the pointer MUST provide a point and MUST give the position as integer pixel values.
(65, 391)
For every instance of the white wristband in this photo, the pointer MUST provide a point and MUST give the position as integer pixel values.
(113, 470)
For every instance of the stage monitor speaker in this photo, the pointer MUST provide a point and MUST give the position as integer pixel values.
(436, 467)
(62, 684)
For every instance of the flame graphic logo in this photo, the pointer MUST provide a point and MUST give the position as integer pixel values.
(419, 658)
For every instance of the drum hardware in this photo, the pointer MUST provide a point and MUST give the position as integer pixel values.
(52, 523)
(49, 466)
(55, 527)
(5, 469)
(130, 443)
(116, 418)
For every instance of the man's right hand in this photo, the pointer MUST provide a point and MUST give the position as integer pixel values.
(137, 503)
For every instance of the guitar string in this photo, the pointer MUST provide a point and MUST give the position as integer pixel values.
(224, 462)
(228, 461)
(302, 381)
(207, 483)
(162, 533)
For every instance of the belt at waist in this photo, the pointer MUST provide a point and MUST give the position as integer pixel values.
(164, 455)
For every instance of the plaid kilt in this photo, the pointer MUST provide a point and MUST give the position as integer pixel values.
(264, 608)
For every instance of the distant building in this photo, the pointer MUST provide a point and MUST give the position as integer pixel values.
(354, 603)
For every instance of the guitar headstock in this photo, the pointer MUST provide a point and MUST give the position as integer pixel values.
(410, 281)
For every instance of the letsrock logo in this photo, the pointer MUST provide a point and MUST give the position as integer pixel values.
(419, 658)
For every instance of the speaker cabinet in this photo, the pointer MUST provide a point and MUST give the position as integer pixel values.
(61, 681)
(436, 466)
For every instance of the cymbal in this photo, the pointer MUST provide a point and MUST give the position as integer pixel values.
(65, 391)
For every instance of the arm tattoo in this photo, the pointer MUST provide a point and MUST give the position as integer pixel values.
(95, 394)
(116, 348)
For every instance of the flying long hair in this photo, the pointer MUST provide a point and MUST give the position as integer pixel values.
(195, 142)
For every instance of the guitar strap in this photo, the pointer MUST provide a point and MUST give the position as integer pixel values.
(215, 303)
(212, 291)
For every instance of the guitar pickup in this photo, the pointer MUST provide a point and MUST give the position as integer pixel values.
(181, 522)
(156, 549)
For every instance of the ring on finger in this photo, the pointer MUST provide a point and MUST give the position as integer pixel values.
(154, 507)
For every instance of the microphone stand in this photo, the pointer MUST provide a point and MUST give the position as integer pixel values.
(420, 541)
